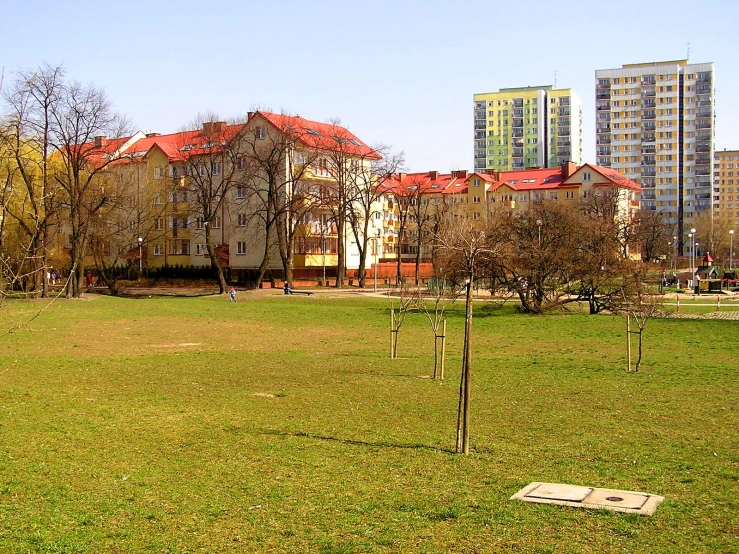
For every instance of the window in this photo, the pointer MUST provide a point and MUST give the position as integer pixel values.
(158, 172)
(201, 170)
(200, 249)
(216, 168)
(586, 176)
(570, 194)
(259, 133)
(240, 163)
(240, 192)
(241, 247)
(157, 249)
(475, 199)
(241, 220)
(179, 247)
(157, 199)
(217, 222)
(159, 224)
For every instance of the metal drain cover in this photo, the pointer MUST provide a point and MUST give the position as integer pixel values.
(589, 497)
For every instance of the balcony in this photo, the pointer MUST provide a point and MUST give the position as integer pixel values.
(648, 195)
(703, 89)
(702, 123)
(603, 106)
(480, 125)
(604, 151)
(648, 149)
(648, 172)
(648, 93)
(563, 131)
(517, 153)
(564, 121)
(564, 101)
(563, 143)
(563, 112)
(603, 129)
(479, 134)
(649, 103)
(647, 183)
(517, 123)
(703, 113)
(648, 137)
(648, 125)
(517, 134)
(650, 114)
(603, 95)
(480, 115)
(604, 139)
(517, 102)
(517, 113)
(703, 171)
(703, 146)
(517, 165)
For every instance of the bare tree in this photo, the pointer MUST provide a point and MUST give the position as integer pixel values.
(469, 247)
(208, 168)
(541, 251)
(82, 122)
(281, 191)
(368, 174)
(27, 139)
(639, 302)
(441, 297)
(401, 302)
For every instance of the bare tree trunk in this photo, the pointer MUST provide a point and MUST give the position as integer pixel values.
(638, 359)
(467, 371)
(628, 343)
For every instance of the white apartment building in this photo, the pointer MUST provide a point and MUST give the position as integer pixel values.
(655, 124)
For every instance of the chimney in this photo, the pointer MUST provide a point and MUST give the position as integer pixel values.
(401, 176)
(568, 168)
(433, 175)
(214, 127)
(101, 141)
(461, 174)
(249, 115)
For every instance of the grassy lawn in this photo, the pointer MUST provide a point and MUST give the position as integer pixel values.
(279, 424)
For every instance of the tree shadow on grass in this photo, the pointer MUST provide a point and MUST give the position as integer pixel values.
(378, 444)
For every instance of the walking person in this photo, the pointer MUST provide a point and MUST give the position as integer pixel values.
(232, 295)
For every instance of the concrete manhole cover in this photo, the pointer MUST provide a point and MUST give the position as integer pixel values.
(589, 497)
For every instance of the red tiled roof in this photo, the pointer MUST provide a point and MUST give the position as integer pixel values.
(431, 182)
(613, 177)
(182, 145)
(321, 136)
(531, 179)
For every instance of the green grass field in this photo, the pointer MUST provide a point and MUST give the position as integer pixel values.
(279, 424)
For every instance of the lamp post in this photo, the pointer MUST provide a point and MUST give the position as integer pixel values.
(377, 240)
(731, 249)
(692, 262)
(674, 259)
(538, 222)
(141, 261)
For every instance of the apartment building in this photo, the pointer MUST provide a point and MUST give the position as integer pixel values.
(427, 196)
(726, 187)
(163, 182)
(516, 128)
(655, 124)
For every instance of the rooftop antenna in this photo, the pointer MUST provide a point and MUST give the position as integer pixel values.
(688, 50)
(555, 78)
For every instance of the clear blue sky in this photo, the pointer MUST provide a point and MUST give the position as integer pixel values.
(399, 72)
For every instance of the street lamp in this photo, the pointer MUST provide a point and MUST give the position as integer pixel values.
(140, 258)
(731, 249)
(674, 241)
(538, 222)
(377, 240)
(692, 263)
